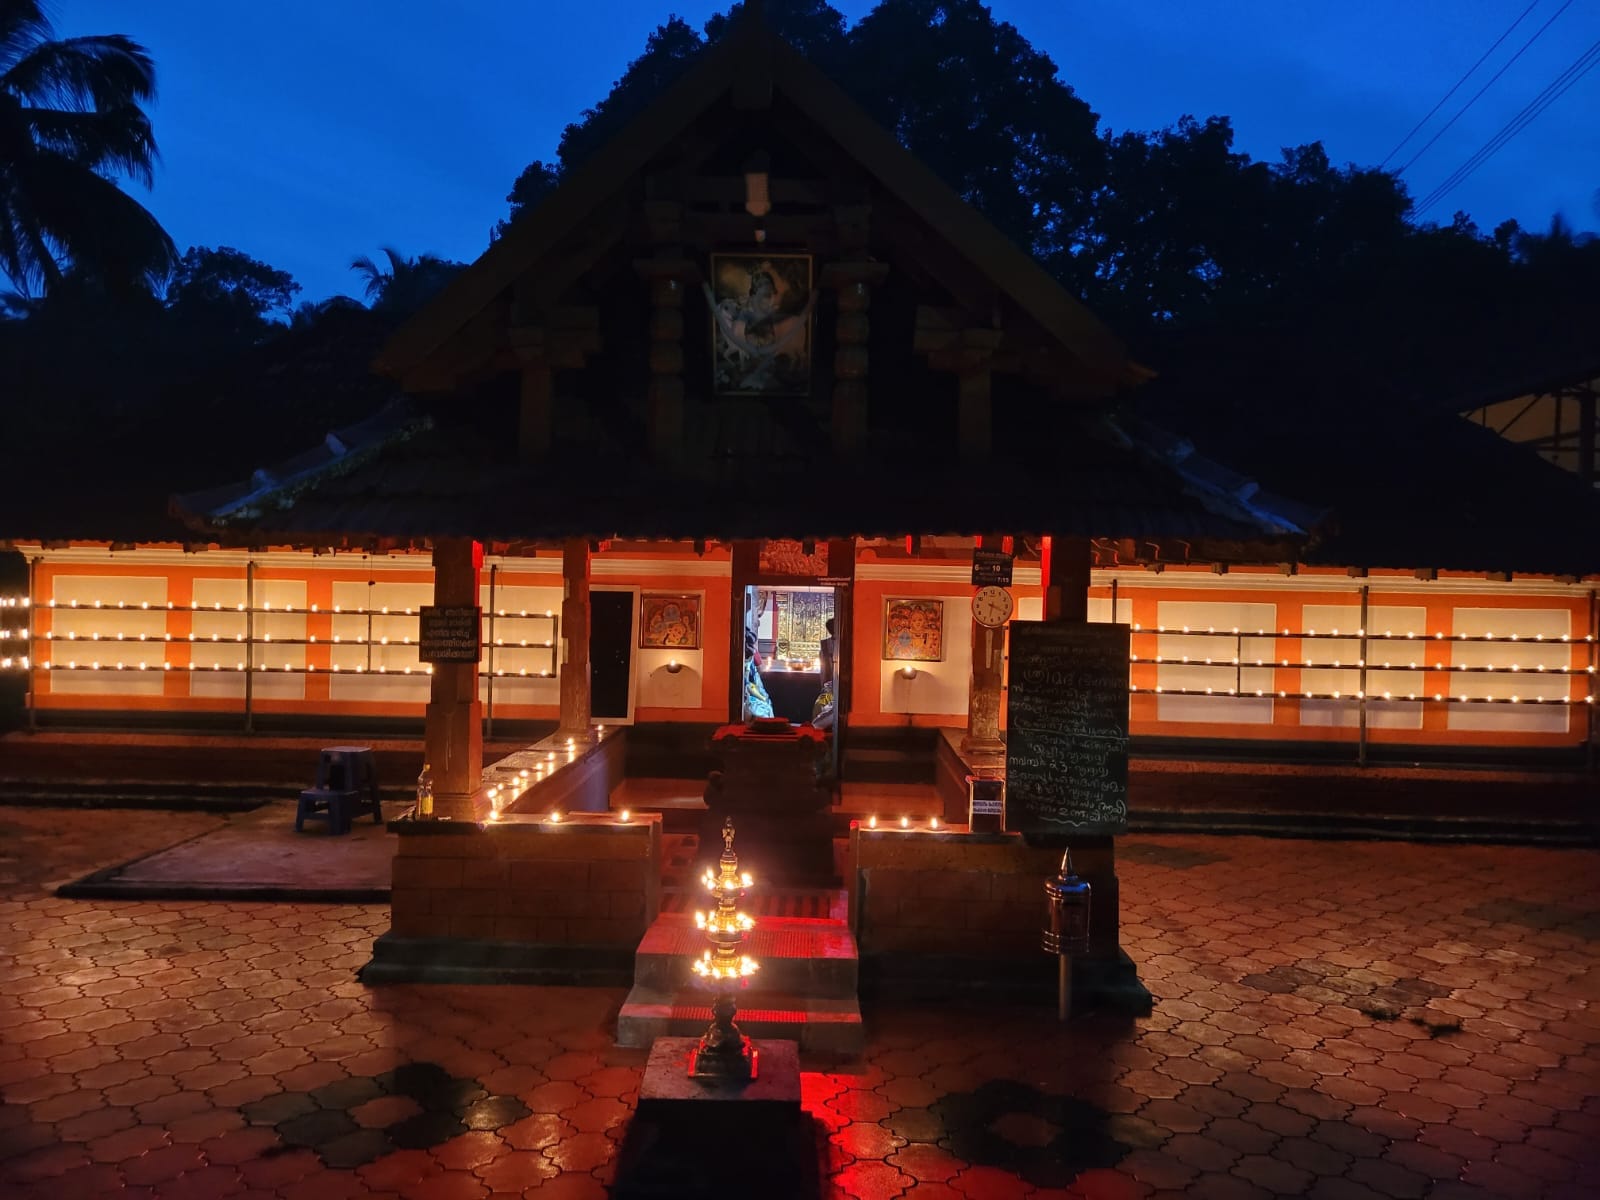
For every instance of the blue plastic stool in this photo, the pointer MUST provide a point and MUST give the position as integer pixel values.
(347, 785)
(325, 804)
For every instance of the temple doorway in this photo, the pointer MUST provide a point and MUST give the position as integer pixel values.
(795, 650)
(612, 634)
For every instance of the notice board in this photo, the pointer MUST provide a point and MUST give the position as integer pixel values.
(991, 568)
(1067, 728)
(450, 633)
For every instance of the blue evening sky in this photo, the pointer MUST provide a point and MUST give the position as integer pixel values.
(306, 132)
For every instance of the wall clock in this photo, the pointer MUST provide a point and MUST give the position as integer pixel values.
(992, 606)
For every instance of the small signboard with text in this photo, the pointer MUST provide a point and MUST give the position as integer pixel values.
(1067, 728)
(450, 633)
(991, 568)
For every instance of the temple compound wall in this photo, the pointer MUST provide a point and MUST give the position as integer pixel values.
(1252, 654)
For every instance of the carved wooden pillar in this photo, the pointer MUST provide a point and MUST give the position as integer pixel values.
(969, 353)
(975, 411)
(543, 341)
(665, 391)
(454, 721)
(575, 635)
(985, 683)
(853, 281)
(669, 275)
(536, 418)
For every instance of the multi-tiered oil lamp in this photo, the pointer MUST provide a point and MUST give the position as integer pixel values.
(724, 1054)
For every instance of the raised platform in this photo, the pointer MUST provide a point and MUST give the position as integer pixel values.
(805, 990)
(667, 1094)
(690, 1140)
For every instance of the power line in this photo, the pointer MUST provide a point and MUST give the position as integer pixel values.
(1530, 112)
(1462, 111)
(1457, 84)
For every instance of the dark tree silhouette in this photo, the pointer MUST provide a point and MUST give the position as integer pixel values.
(538, 180)
(407, 284)
(71, 121)
(227, 287)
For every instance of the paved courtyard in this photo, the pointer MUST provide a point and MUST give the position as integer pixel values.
(1332, 1019)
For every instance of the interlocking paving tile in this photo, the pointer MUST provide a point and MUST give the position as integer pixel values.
(1338, 1020)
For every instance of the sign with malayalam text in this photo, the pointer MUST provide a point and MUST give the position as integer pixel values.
(991, 568)
(1067, 728)
(450, 633)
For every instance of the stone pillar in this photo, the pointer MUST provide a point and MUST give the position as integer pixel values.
(454, 722)
(986, 681)
(575, 637)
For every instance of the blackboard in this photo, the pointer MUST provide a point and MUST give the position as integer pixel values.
(450, 634)
(1067, 728)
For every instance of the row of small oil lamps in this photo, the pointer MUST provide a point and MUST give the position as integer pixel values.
(934, 824)
(502, 795)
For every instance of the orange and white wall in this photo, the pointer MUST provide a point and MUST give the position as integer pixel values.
(163, 630)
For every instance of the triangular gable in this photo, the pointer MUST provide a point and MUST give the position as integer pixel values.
(753, 52)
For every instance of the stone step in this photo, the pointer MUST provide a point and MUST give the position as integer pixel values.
(808, 957)
(822, 1025)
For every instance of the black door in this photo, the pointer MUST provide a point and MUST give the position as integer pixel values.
(610, 654)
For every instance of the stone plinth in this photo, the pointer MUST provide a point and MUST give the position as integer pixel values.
(669, 1096)
(520, 899)
(688, 1139)
(941, 911)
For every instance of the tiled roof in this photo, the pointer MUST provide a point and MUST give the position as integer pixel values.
(405, 477)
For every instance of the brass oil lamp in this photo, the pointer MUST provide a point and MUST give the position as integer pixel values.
(724, 1054)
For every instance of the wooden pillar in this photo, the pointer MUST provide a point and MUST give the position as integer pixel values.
(975, 413)
(534, 426)
(985, 681)
(575, 636)
(1065, 570)
(853, 281)
(668, 273)
(1586, 434)
(454, 722)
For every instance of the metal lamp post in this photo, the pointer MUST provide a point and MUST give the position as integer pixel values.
(1066, 928)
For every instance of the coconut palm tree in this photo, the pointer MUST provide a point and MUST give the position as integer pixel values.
(71, 123)
(408, 284)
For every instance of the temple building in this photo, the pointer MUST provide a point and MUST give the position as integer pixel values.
(731, 427)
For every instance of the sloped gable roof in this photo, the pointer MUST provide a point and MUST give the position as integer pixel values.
(752, 52)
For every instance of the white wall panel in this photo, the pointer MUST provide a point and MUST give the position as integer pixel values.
(1527, 655)
(1204, 620)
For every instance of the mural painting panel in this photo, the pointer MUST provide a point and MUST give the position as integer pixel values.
(761, 306)
(913, 630)
(669, 621)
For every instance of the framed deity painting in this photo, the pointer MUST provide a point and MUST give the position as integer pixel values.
(913, 630)
(669, 622)
(761, 307)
